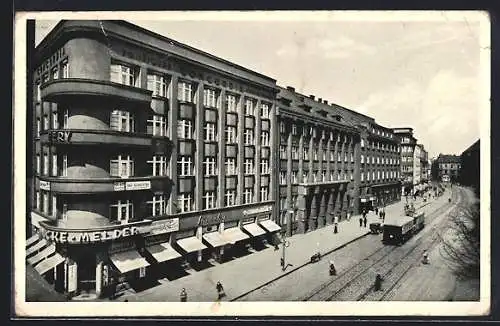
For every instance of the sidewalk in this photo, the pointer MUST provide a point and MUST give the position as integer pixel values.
(244, 274)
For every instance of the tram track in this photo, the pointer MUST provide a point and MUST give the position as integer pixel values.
(342, 285)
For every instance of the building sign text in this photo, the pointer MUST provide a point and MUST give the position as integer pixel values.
(58, 136)
(258, 210)
(165, 226)
(72, 237)
(44, 185)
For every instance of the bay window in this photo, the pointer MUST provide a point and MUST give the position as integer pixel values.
(122, 166)
(122, 211)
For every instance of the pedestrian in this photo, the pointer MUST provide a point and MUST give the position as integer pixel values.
(380, 214)
(282, 262)
(383, 215)
(335, 223)
(183, 295)
(333, 271)
(376, 210)
(360, 221)
(220, 290)
(364, 221)
(349, 215)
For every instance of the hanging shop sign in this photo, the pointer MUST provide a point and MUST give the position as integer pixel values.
(132, 185)
(210, 220)
(44, 185)
(258, 210)
(165, 226)
(73, 237)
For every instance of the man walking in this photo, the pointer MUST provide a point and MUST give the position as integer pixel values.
(364, 221)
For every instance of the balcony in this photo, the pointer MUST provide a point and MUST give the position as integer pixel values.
(98, 137)
(61, 89)
(63, 185)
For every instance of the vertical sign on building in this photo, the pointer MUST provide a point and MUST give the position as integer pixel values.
(72, 278)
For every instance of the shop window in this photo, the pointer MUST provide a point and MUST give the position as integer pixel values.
(159, 165)
(157, 124)
(122, 211)
(157, 84)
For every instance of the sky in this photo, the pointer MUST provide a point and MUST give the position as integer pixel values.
(402, 72)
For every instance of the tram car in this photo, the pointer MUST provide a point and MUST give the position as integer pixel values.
(398, 231)
(418, 222)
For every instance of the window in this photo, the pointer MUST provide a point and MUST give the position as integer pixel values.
(158, 125)
(294, 129)
(210, 134)
(230, 103)
(185, 203)
(282, 127)
(295, 152)
(122, 167)
(64, 165)
(123, 74)
(54, 165)
(37, 200)
(64, 213)
(282, 177)
(248, 136)
(157, 84)
(185, 92)
(373, 159)
(264, 138)
(249, 107)
(45, 164)
(65, 69)
(38, 126)
(331, 136)
(351, 175)
(38, 92)
(383, 175)
(332, 156)
(282, 151)
(378, 160)
(159, 165)
(315, 154)
(373, 175)
(210, 166)
(230, 135)
(264, 166)
(45, 78)
(339, 158)
(339, 175)
(362, 176)
(230, 198)
(38, 164)
(185, 129)
(378, 175)
(294, 176)
(209, 200)
(247, 195)
(55, 73)
(184, 166)
(210, 97)
(352, 157)
(122, 211)
(304, 177)
(158, 205)
(345, 157)
(45, 195)
(305, 152)
(324, 154)
(55, 120)
(323, 176)
(65, 118)
(362, 158)
(122, 121)
(248, 166)
(230, 166)
(264, 112)
(46, 122)
(264, 193)
(368, 176)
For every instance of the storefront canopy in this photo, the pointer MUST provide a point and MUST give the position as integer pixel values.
(42, 254)
(254, 229)
(233, 235)
(215, 239)
(49, 263)
(128, 261)
(270, 226)
(39, 245)
(32, 240)
(163, 252)
(191, 244)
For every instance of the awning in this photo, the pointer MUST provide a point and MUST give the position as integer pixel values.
(254, 229)
(233, 235)
(191, 244)
(42, 254)
(39, 245)
(270, 226)
(49, 263)
(128, 261)
(215, 239)
(32, 240)
(163, 252)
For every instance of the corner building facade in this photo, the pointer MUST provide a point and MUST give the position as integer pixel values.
(148, 154)
(317, 163)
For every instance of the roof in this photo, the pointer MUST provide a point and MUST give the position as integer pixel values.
(132, 33)
(447, 158)
(474, 147)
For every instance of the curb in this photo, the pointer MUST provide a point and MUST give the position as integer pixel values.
(298, 267)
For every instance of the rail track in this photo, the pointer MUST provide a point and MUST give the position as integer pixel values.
(386, 261)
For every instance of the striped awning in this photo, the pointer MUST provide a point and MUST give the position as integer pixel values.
(42, 254)
(163, 252)
(49, 263)
(35, 248)
(32, 240)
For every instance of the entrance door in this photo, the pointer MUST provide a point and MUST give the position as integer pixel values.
(87, 272)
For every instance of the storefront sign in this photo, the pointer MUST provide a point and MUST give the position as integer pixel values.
(258, 210)
(72, 237)
(138, 185)
(72, 278)
(60, 136)
(119, 186)
(165, 226)
(210, 220)
(248, 221)
(142, 272)
(44, 185)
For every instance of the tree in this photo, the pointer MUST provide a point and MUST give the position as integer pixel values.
(460, 244)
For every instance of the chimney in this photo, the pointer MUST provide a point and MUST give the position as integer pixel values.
(290, 88)
(320, 99)
(325, 102)
(311, 97)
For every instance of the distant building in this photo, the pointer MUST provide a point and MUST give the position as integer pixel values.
(448, 166)
(407, 143)
(470, 172)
